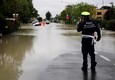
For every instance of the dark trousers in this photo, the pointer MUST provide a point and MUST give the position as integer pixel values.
(88, 48)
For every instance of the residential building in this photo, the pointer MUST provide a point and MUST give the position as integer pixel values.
(100, 12)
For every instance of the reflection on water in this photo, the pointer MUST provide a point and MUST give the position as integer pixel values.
(12, 53)
(107, 43)
(92, 75)
(85, 75)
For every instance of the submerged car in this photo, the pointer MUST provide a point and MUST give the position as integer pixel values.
(36, 23)
(47, 21)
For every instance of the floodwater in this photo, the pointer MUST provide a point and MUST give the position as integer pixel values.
(107, 43)
(25, 54)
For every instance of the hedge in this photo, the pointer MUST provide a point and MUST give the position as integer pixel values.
(107, 24)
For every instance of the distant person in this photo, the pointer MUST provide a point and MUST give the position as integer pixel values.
(88, 27)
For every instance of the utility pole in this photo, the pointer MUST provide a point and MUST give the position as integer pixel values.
(102, 10)
(102, 2)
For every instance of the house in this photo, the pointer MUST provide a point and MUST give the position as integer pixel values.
(100, 12)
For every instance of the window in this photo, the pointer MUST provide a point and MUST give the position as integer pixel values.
(99, 13)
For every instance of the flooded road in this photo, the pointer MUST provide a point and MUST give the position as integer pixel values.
(12, 54)
(26, 54)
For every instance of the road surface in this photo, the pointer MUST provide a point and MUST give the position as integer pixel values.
(52, 52)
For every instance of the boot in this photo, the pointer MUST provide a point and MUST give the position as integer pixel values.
(93, 65)
(84, 68)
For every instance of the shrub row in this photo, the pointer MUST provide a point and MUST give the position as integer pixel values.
(107, 24)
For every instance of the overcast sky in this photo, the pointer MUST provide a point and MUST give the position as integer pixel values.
(56, 6)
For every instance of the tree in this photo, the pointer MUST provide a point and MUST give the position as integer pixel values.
(39, 19)
(34, 13)
(48, 15)
(74, 11)
(110, 14)
(2, 22)
(24, 8)
(63, 15)
(84, 7)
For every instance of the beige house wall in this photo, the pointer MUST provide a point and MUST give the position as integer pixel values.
(100, 14)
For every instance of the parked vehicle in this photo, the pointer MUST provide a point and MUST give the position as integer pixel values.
(47, 21)
(36, 23)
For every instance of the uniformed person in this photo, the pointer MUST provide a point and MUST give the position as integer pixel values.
(88, 27)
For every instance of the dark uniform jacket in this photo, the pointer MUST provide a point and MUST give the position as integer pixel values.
(88, 27)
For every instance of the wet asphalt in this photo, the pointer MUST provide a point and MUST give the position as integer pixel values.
(53, 52)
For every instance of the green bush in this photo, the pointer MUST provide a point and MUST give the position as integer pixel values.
(2, 23)
(107, 24)
(110, 25)
(102, 23)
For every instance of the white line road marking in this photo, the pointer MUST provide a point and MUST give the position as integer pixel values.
(105, 58)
